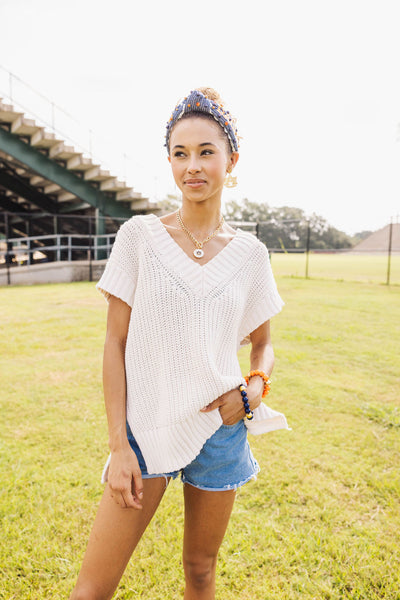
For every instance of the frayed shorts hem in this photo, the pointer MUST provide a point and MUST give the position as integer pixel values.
(224, 463)
(226, 488)
(185, 480)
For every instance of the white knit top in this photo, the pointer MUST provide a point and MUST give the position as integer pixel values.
(186, 326)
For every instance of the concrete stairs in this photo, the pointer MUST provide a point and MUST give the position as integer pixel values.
(56, 149)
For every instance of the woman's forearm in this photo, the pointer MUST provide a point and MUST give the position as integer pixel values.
(114, 385)
(261, 359)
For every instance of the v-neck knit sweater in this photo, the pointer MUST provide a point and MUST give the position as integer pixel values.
(187, 324)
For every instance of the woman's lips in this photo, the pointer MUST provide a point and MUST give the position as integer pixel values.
(194, 183)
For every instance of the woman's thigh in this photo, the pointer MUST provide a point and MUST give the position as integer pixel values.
(116, 532)
(206, 519)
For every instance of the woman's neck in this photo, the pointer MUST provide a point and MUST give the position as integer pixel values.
(199, 218)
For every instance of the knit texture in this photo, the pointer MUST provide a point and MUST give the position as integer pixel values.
(187, 323)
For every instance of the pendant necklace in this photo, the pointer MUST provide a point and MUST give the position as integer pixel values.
(198, 252)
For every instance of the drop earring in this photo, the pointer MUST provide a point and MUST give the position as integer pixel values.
(230, 180)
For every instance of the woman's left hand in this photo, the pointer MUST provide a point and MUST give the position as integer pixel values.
(230, 406)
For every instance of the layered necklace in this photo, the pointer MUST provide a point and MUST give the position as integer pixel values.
(198, 252)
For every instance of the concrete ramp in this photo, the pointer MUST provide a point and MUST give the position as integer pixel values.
(53, 272)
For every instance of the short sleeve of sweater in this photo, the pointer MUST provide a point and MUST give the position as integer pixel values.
(263, 301)
(120, 275)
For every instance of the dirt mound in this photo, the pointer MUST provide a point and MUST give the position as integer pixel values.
(379, 240)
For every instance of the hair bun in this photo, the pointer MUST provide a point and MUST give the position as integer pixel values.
(211, 94)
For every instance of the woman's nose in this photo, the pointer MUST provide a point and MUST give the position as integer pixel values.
(194, 165)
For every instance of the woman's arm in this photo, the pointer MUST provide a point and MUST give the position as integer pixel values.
(124, 476)
(261, 358)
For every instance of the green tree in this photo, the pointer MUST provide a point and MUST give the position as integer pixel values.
(286, 227)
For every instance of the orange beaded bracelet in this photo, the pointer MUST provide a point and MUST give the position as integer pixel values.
(267, 381)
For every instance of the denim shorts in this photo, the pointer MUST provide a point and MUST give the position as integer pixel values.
(224, 463)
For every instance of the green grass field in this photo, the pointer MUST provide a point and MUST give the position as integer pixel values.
(342, 267)
(321, 522)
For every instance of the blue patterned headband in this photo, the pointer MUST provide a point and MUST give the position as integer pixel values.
(196, 102)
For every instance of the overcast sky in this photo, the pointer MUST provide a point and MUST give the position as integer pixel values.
(314, 84)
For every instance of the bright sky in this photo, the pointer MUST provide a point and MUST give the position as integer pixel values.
(315, 87)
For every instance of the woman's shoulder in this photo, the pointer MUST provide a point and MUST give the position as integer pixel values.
(253, 242)
(135, 226)
(137, 221)
(128, 235)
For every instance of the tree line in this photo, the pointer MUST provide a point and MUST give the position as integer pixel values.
(284, 227)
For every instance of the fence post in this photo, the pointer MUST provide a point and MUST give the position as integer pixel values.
(7, 256)
(100, 225)
(56, 253)
(90, 250)
(308, 247)
(58, 250)
(28, 230)
(389, 252)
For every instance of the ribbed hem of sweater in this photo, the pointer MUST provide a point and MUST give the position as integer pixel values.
(259, 314)
(265, 419)
(171, 448)
(114, 281)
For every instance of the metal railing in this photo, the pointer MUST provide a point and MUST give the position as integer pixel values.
(33, 250)
(61, 246)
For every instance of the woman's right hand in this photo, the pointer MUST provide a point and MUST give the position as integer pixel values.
(125, 478)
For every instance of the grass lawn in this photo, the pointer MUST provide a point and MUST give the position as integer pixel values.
(321, 522)
(369, 268)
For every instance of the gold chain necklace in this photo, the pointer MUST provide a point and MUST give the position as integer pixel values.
(198, 252)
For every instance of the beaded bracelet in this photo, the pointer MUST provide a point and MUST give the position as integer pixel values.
(267, 381)
(247, 410)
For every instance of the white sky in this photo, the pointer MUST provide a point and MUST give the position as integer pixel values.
(314, 84)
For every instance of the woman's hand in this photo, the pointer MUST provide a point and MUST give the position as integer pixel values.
(261, 357)
(125, 478)
(231, 405)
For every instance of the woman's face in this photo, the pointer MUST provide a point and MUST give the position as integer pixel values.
(199, 158)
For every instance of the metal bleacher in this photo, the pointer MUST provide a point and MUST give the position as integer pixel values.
(49, 186)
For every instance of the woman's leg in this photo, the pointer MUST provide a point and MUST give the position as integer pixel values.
(115, 534)
(206, 519)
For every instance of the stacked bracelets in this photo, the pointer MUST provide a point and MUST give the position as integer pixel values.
(243, 390)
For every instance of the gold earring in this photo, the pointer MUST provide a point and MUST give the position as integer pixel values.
(230, 180)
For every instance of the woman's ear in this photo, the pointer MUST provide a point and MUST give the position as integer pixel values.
(233, 159)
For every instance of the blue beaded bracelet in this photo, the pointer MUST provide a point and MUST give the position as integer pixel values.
(247, 410)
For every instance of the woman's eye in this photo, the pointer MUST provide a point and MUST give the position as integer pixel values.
(206, 152)
(178, 154)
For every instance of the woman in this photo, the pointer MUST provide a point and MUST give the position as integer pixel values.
(183, 292)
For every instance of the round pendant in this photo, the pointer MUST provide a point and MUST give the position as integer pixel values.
(198, 253)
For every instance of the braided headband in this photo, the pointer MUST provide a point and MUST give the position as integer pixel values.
(196, 102)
